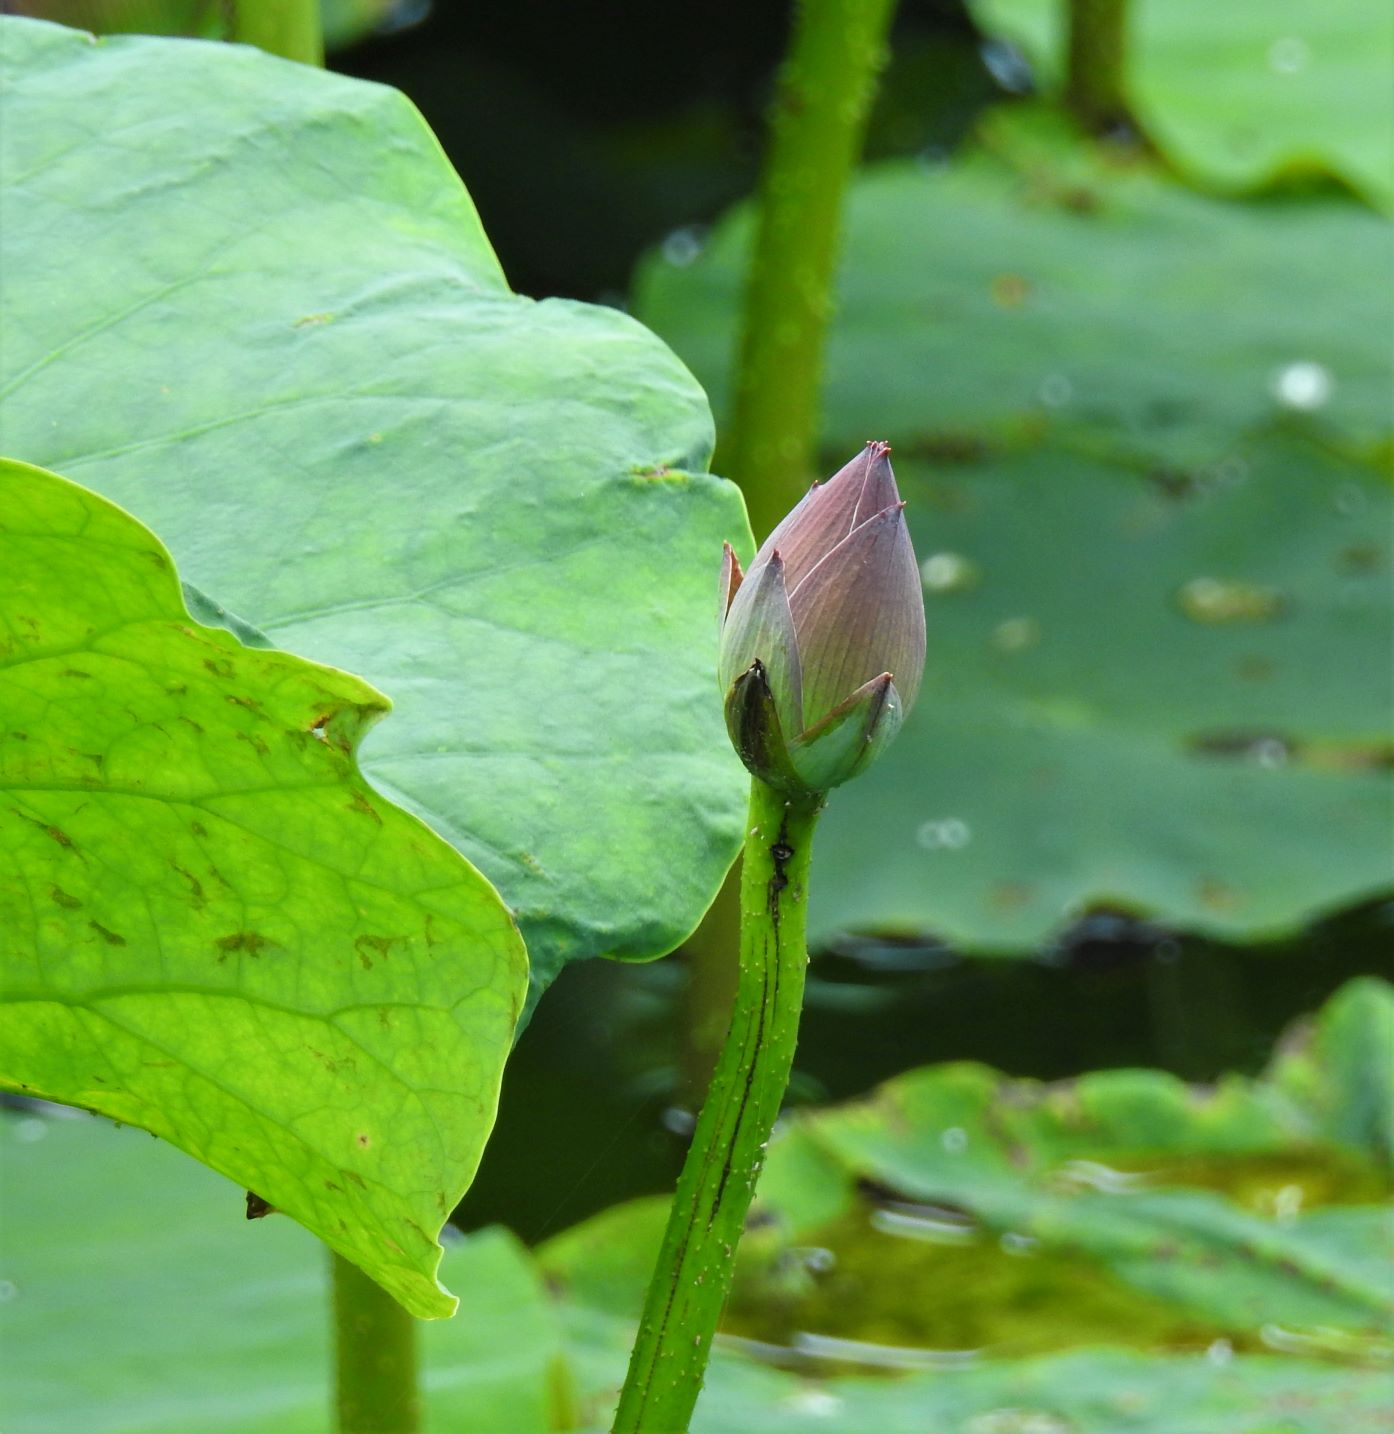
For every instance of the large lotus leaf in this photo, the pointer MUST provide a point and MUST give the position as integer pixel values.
(1237, 95)
(252, 303)
(1158, 622)
(212, 926)
(172, 1314)
(1036, 289)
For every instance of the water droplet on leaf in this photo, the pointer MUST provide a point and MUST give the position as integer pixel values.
(945, 834)
(1016, 634)
(1055, 391)
(1288, 55)
(948, 573)
(1304, 385)
(954, 1140)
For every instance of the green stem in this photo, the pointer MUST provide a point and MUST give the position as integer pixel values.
(819, 121)
(693, 1273)
(1096, 54)
(374, 1357)
(290, 28)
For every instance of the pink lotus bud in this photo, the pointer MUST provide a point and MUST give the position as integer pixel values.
(823, 640)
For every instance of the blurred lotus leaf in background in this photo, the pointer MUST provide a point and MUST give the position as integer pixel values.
(1240, 95)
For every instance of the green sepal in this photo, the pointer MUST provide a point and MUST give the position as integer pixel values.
(752, 719)
(850, 737)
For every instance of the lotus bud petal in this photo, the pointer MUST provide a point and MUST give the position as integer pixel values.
(831, 611)
(760, 627)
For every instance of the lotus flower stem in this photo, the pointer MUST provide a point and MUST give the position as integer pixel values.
(375, 1358)
(1096, 53)
(695, 1263)
(290, 28)
(816, 132)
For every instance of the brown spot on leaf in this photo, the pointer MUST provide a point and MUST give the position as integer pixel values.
(1010, 895)
(1361, 558)
(112, 938)
(252, 942)
(68, 903)
(360, 803)
(1216, 896)
(1254, 669)
(364, 944)
(1010, 291)
(195, 885)
(658, 473)
(257, 1208)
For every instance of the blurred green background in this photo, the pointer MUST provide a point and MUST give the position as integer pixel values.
(1138, 379)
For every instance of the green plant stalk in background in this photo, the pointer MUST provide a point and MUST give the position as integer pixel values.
(375, 1357)
(816, 131)
(1096, 54)
(695, 1264)
(819, 120)
(290, 28)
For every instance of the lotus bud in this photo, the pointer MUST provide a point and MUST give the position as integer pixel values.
(823, 640)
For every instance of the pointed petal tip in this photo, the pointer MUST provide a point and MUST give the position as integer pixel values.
(731, 578)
